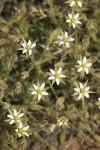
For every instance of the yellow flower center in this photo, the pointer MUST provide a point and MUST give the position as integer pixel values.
(56, 75)
(65, 39)
(82, 90)
(28, 47)
(39, 91)
(63, 120)
(16, 118)
(73, 20)
(20, 130)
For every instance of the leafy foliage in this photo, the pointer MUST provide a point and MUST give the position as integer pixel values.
(43, 22)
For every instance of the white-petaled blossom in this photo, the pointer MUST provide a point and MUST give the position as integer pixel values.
(73, 20)
(27, 47)
(99, 101)
(56, 76)
(84, 65)
(22, 131)
(15, 116)
(63, 121)
(82, 91)
(75, 2)
(64, 39)
(39, 91)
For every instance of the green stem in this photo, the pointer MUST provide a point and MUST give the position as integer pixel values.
(83, 103)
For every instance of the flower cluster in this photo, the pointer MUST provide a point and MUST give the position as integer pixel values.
(82, 90)
(15, 117)
(56, 75)
(39, 91)
(83, 66)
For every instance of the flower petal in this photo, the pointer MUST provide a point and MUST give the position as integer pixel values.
(24, 51)
(79, 3)
(57, 81)
(89, 64)
(42, 86)
(39, 96)
(80, 69)
(34, 92)
(16, 130)
(33, 45)
(68, 20)
(71, 39)
(84, 60)
(86, 95)
(51, 78)
(98, 99)
(29, 43)
(12, 121)
(62, 76)
(74, 25)
(78, 22)
(61, 43)
(26, 128)
(15, 112)
(35, 87)
(59, 70)
(20, 125)
(77, 89)
(26, 134)
(67, 44)
(44, 93)
(79, 62)
(80, 96)
(24, 45)
(19, 134)
(81, 86)
(87, 88)
(21, 115)
(59, 37)
(66, 34)
(76, 16)
(70, 16)
(30, 52)
(10, 116)
(86, 70)
(60, 123)
(72, 3)
(52, 71)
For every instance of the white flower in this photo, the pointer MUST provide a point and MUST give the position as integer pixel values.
(15, 117)
(74, 2)
(56, 75)
(21, 131)
(99, 101)
(73, 20)
(39, 91)
(63, 121)
(65, 39)
(84, 65)
(82, 91)
(28, 46)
